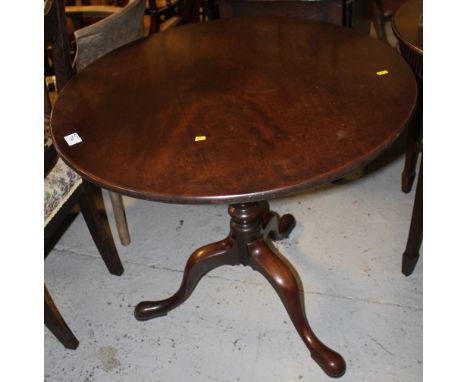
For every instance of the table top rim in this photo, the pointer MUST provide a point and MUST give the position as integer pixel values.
(233, 198)
(398, 33)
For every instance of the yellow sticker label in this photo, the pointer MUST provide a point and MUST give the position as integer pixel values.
(382, 72)
(199, 138)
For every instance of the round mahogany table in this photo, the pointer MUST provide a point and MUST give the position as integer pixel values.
(407, 24)
(236, 111)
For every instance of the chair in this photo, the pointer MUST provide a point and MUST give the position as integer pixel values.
(380, 18)
(63, 187)
(164, 14)
(356, 14)
(382, 13)
(118, 26)
(410, 13)
(56, 42)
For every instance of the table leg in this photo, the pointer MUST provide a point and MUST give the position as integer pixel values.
(414, 139)
(274, 226)
(411, 254)
(247, 245)
(200, 262)
(283, 279)
(411, 157)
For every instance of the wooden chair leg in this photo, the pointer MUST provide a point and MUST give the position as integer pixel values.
(120, 219)
(412, 149)
(154, 21)
(99, 228)
(411, 254)
(378, 19)
(56, 324)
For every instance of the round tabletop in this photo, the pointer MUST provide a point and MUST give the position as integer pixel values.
(407, 24)
(235, 110)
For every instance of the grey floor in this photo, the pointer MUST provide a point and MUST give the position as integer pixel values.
(346, 247)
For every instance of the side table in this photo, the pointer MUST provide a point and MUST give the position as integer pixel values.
(407, 25)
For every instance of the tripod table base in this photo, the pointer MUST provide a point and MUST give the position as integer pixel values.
(246, 244)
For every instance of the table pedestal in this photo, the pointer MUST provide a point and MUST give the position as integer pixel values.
(246, 244)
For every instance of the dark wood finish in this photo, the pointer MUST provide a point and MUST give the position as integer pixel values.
(379, 19)
(332, 11)
(154, 15)
(99, 229)
(411, 254)
(84, 194)
(56, 324)
(246, 245)
(413, 144)
(50, 154)
(359, 14)
(407, 25)
(408, 28)
(170, 13)
(121, 26)
(356, 14)
(191, 11)
(285, 105)
(50, 159)
(56, 37)
(159, 13)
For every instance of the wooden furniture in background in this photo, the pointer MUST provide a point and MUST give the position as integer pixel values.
(383, 11)
(415, 235)
(82, 192)
(380, 18)
(56, 40)
(332, 11)
(276, 106)
(356, 14)
(164, 14)
(59, 66)
(119, 26)
(64, 188)
(407, 25)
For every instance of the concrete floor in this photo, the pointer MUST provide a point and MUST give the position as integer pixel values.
(346, 247)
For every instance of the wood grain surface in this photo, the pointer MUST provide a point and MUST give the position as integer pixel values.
(284, 104)
(407, 25)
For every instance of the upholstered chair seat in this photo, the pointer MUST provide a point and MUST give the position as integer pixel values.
(59, 185)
